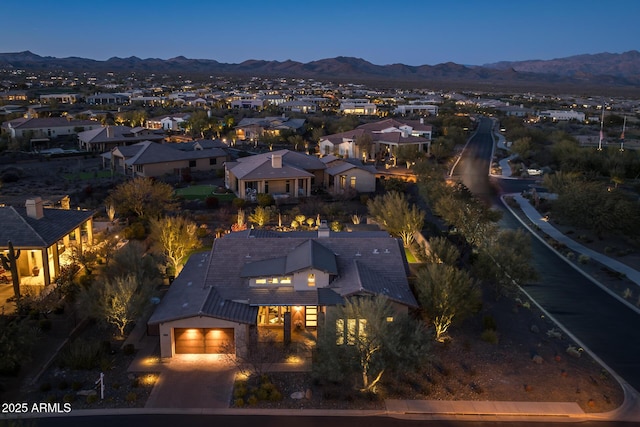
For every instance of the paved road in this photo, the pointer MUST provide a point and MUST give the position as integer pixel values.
(293, 420)
(600, 322)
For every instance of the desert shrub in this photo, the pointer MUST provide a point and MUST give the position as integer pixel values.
(135, 382)
(262, 394)
(135, 231)
(63, 385)
(239, 203)
(68, 398)
(82, 354)
(239, 403)
(131, 397)
(571, 255)
(584, 259)
(252, 400)
(264, 199)
(76, 385)
(275, 396)
(92, 398)
(490, 336)
(336, 226)
(489, 323)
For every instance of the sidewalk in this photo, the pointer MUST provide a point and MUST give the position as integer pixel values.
(536, 218)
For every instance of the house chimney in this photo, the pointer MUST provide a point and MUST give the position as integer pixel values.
(34, 208)
(421, 120)
(276, 161)
(323, 229)
(109, 132)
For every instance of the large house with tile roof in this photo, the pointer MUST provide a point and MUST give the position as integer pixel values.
(151, 159)
(105, 138)
(282, 173)
(45, 237)
(386, 136)
(259, 280)
(46, 127)
(255, 128)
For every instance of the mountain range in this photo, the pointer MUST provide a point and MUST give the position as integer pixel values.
(604, 70)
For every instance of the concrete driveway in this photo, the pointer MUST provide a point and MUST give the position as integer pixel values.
(201, 382)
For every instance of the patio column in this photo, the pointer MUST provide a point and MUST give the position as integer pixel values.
(45, 266)
(90, 232)
(77, 232)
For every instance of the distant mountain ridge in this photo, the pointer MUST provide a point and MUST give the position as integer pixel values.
(624, 65)
(618, 70)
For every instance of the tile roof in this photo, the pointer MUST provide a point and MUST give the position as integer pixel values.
(51, 122)
(294, 165)
(148, 152)
(27, 232)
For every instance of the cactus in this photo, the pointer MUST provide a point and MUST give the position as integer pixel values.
(10, 262)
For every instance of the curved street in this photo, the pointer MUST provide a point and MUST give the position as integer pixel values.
(604, 325)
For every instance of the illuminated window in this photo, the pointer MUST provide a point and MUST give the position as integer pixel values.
(352, 182)
(261, 281)
(340, 331)
(311, 279)
(285, 281)
(351, 331)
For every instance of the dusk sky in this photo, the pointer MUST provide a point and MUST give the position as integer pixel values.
(412, 32)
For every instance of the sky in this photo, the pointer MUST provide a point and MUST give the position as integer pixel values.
(411, 32)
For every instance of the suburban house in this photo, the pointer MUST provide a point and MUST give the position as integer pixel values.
(168, 122)
(254, 281)
(283, 174)
(151, 159)
(105, 138)
(382, 138)
(47, 127)
(360, 107)
(255, 128)
(296, 106)
(108, 99)
(349, 173)
(44, 236)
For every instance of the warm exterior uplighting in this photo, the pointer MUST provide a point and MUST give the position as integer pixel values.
(296, 360)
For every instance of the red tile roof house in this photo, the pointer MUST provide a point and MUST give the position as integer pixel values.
(258, 280)
(44, 237)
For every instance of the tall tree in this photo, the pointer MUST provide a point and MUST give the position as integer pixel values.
(117, 302)
(365, 338)
(175, 237)
(447, 295)
(393, 212)
(143, 197)
(505, 261)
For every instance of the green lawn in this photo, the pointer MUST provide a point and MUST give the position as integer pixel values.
(201, 192)
(410, 258)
